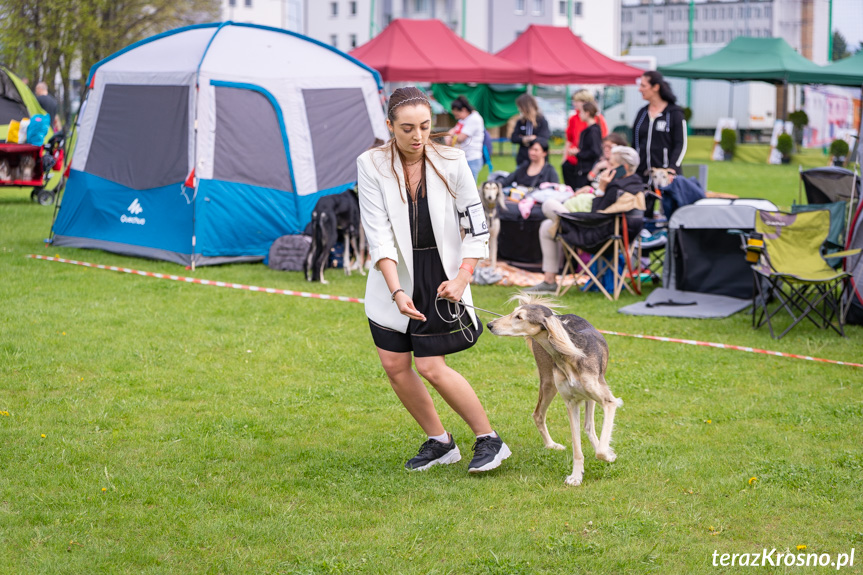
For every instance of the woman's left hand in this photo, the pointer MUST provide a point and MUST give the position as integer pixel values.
(605, 179)
(452, 289)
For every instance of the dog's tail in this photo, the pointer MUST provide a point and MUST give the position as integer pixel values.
(618, 401)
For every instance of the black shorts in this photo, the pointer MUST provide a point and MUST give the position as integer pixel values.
(435, 336)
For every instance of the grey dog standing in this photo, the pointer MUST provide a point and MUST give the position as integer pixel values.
(571, 357)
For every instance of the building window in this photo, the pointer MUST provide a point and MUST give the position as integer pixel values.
(578, 9)
(232, 3)
(766, 33)
(757, 12)
(248, 3)
(352, 40)
(421, 5)
(352, 8)
(561, 8)
(538, 7)
(334, 10)
(334, 41)
(767, 12)
(519, 7)
(695, 35)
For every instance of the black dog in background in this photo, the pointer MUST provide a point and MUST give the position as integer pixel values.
(334, 213)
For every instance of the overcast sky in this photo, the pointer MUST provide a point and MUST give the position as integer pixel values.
(848, 20)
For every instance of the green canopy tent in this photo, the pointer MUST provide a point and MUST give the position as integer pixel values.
(845, 72)
(746, 59)
(495, 103)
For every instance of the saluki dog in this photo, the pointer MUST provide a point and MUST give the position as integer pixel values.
(571, 357)
(493, 200)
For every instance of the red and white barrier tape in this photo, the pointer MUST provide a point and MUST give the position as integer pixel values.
(359, 300)
(199, 281)
(734, 347)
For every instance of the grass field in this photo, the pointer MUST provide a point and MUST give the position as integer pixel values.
(151, 426)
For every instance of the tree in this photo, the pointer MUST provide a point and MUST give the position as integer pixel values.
(51, 39)
(840, 47)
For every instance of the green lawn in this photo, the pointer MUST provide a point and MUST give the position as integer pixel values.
(165, 427)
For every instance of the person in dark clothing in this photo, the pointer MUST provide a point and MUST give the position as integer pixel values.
(47, 101)
(659, 131)
(531, 126)
(589, 145)
(535, 171)
(611, 187)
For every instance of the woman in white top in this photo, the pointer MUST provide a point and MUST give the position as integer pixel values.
(413, 195)
(468, 133)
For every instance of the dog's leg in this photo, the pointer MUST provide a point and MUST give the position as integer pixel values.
(609, 407)
(573, 407)
(547, 391)
(589, 427)
(346, 256)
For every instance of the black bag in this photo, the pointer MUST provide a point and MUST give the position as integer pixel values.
(288, 253)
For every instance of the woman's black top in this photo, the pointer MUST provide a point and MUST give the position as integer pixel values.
(422, 234)
(524, 127)
(520, 176)
(589, 147)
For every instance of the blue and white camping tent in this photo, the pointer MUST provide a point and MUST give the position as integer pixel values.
(204, 144)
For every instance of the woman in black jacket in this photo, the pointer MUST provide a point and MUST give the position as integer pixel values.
(659, 132)
(589, 149)
(530, 126)
(535, 171)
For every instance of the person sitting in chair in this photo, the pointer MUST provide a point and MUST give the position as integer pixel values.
(535, 171)
(613, 183)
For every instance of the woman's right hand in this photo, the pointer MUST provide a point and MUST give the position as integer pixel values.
(406, 306)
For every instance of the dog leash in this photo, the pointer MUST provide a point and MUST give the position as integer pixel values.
(457, 314)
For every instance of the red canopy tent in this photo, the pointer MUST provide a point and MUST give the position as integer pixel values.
(554, 55)
(428, 51)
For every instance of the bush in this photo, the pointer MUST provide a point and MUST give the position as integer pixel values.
(784, 144)
(687, 114)
(800, 121)
(839, 148)
(728, 141)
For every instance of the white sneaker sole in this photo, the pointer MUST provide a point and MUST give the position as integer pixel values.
(494, 463)
(453, 456)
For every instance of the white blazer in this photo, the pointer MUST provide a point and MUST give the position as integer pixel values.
(386, 223)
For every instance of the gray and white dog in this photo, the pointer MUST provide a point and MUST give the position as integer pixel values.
(571, 357)
(493, 200)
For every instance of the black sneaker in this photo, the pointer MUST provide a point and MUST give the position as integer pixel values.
(433, 452)
(488, 453)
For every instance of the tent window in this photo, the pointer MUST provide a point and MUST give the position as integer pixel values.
(11, 104)
(249, 147)
(141, 139)
(341, 130)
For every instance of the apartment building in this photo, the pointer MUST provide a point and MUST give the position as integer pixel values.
(285, 14)
(802, 23)
(488, 24)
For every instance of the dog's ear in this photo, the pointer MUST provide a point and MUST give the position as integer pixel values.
(559, 338)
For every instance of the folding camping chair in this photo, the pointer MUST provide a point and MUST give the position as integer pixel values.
(792, 275)
(606, 238)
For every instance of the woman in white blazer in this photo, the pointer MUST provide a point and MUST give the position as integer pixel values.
(413, 199)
